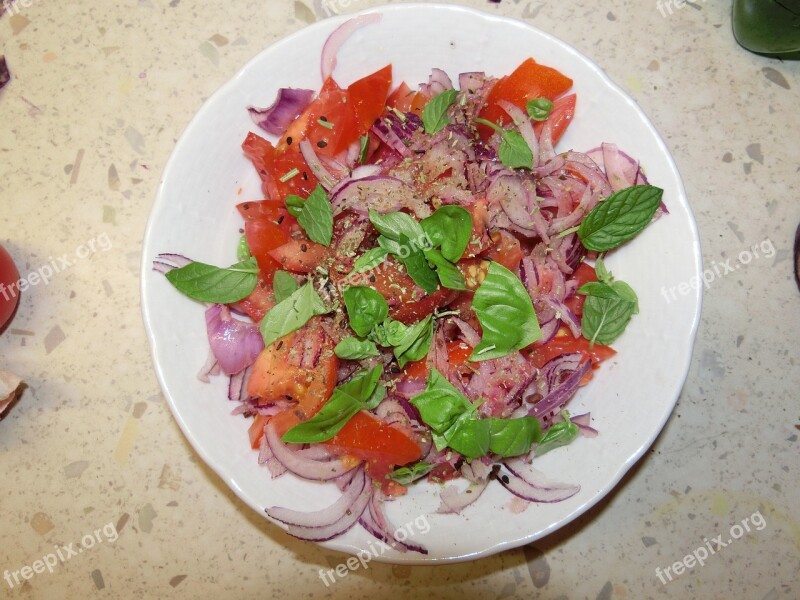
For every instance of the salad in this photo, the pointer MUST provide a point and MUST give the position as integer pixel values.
(421, 291)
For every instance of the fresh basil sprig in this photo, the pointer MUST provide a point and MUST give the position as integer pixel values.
(363, 148)
(539, 108)
(559, 434)
(415, 342)
(366, 308)
(404, 238)
(283, 285)
(208, 283)
(619, 217)
(291, 314)
(450, 276)
(608, 308)
(314, 215)
(514, 151)
(408, 475)
(505, 312)
(353, 348)
(434, 115)
(363, 391)
(454, 422)
(450, 227)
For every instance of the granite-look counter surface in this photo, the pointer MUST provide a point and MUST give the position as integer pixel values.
(100, 93)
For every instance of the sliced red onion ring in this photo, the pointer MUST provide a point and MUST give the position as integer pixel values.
(360, 172)
(326, 524)
(522, 480)
(339, 37)
(374, 520)
(438, 82)
(454, 500)
(584, 425)
(164, 263)
(301, 466)
(235, 344)
(468, 332)
(472, 81)
(559, 391)
(324, 176)
(379, 192)
(289, 105)
(388, 136)
(209, 368)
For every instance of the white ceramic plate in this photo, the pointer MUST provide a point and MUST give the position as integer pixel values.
(631, 396)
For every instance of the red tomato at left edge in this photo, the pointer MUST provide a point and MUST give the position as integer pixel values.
(9, 290)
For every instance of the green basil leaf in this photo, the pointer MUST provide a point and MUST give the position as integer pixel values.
(451, 228)
(352, 348)
(559, 434)
(601, 271)
(363, 148)
(598, 289)
(361, 392)
(370, 259)
(418, 268)
(506, 314)
(514, 437)
(605, 319)
(390, 333)
(408, 475)
(450, 276)
(434, 115)
(366, 308)
(539, 108)
(624, 291)
(208, 283)
(470, 437)
(441, 404)
(393, 225)
(415, 343)
(243, 250)
(283, 285)
(619, 217)
(514, 151)
(291, 314)
(314, 215)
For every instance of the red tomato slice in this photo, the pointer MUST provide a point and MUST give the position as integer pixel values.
(258, 302)
(408, 302)
(256, 431)
(530, 80)
(272, 166)
(560, 117)
(564, 343)
(263, 236)
(583, 274)
(382, 447)
(505, 250)
(368, 97)
(274, 377)
(9, 290)
(299, 256)
(402, 98)
(479, 240)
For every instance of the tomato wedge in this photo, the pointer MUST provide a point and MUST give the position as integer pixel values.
(263, 236)
(274, 377)
(528, 81)
(560, 117)
(381, 446)
(458, 353)
(256, 431)
(505, 250)
(274, 166)
(583, 274)
(564, 343)
(258, 302)
(299, 256)
(368, 97)
(408, 302)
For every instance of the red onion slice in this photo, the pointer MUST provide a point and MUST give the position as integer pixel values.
(529, 484)
(289, 105)
(9, 384)
(328, 523)
(375, 522)
(454, 500)
(235, 344)
(164, 263)
(299, 465)
(209, 368)
(339, 37)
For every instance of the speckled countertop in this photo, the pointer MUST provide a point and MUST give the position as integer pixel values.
(102, 90)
